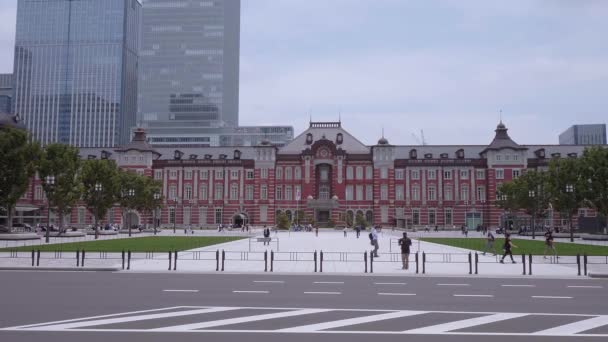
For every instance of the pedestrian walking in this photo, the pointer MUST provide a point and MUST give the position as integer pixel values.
(507, 248)
(317, 231)
(405, 244)
(549, 245)
(358, 229)
(489, 244)
(266, 236)
(373, 236)
(344, 231)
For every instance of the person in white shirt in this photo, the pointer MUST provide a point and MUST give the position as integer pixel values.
(374, 241)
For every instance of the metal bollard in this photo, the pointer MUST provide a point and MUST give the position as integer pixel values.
(266, 261)
(470, 264)
(38, 258)
(365, 260)
(530, 264)
(476, 262)
(33, 257)
(578, 263)
(321, 262)
(523, 262)
(371, 262)
(82, 261)
(271, 261)
(423, 263)
(585, 262)
(128, 260)
(170, 260)
(223, 259)
(175, 260)
(217, 260)
(416, 262)
(315, 261)
(77, 258)
(123, 259)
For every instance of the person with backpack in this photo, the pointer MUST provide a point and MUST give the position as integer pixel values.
(266, 236)
(373, 236)
(405, 244)
(489, 244)
(507, 248)
(549, 245)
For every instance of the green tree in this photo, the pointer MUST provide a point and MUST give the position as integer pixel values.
(566, 188)
(299, 217)
(18, 157)
(63, 164)
(282, 221)
(506, 198)
(349, 219)
(530, 194)
(101, 186)
(148, 194)
(594, 169)
(361, 221)
(128, 193)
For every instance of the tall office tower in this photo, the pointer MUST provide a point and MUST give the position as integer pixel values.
(76, 70)
(584, 135)
(189, 69)
(6, 92)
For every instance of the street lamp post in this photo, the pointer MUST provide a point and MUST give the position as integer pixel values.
(50, 184)
(130, 195)
(531, 194)
(98, 190)
(570, 192)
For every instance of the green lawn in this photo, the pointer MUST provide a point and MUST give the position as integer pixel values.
(144, 244)
(523, 246)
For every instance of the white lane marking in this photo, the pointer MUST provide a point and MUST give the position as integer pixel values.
(328, 282)
(473, 295)
(518, 285)
(552, 297)
(350, 321)
(180, 290)
(395, 294)
(453, 284)
(131, 319)
(270, 281)
(211, 324)
(586, 286)
(465, 323)
(390, 283)
(238, 291)
(575, 327)
(323, 293)
(101, 316)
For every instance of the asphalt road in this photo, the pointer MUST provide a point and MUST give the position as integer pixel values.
(227, 307)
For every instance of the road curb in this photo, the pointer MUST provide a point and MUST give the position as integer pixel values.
(74, 269)
(598, 275)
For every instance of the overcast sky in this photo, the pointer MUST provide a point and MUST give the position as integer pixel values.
(447, 67)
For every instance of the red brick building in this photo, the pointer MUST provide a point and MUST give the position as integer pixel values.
(328, 174)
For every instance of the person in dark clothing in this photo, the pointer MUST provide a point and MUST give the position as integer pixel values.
(549, 245)
(358, 229)
(405, 244)
(266, 235)
(507, 248)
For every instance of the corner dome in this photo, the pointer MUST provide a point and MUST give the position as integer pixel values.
(383, 141)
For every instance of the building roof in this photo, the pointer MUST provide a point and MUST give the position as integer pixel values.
(330, 131)
(502, 140)
(139, 143)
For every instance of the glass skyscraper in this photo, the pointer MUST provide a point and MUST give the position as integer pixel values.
(189, 68)
(75, 70)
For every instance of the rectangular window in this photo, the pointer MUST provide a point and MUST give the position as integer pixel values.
(447, 193)
(203, 195)
(205, 174)
(219, 174)
(234, 174)
(415, 216)
(234, 192)
(432, 217)
(38, 193)
(359, 192)
(288, 173)
(171, 215)
(369, 172)
(263, 213)
(278, 193)
(480, 174)
(415, 174)
(384, 214)
(349, 172)
(399, 192)
(359, 172)
(219, 191)
(81, 215)
(415, 193)
(278, 173)
(349, 192)
(481, 193)
(186, 215)
(432, 174)
(218, 215)
(384, 173)
(202, 215)
(464, 193)
(249, 192)
(500, 174)
(447, 174)
(297, 193)
(173, 174)
(516, 174)
(264, 173)
(188, 192)
(432, 193)
(158, 174)
(369, 192)
(515, 157)
(384, 192)
(507, 157)
(250, 174)
(172, 192)
(297, 173)
(398, 174)
(263, 192)
(464, 174)
(498, 157)
(188, 174)
(448, 216)
(287, 192)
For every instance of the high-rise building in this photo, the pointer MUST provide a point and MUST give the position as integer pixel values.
(6, 92)
(75, 70)
(189, 68)
(230, 136)
(584, 135)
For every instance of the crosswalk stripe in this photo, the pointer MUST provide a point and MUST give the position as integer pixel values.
(351, 321)
(576, 327)
(465, 323)
(210, 324)
(131, 319)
